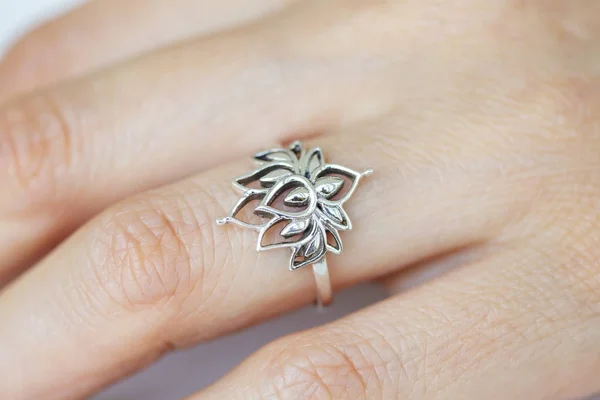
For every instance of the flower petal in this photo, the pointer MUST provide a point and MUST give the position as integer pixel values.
(334, 215)
(333, 170)
(307, 235)
(297, 148)
(336, 246)
(272, 177)
(242, 203)
(295, 227)
(270, 206)
(277, 155)
(311, 161)
(328, 186)
(310, 252)
(313, 246)
(297, 197)
(263, 177)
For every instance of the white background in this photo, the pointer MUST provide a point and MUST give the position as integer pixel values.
(184, 372)
(17, 15)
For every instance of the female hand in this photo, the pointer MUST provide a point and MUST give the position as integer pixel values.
(481, 120)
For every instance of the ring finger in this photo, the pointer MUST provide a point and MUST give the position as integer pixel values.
(155, 272)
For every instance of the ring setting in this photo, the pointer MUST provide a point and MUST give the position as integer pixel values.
(300, 202)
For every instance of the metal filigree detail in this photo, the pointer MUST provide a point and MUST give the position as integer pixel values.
(300, 202)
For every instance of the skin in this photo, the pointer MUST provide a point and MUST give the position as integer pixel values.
(480, 119)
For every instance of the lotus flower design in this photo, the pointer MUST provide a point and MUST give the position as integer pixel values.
(299, 200)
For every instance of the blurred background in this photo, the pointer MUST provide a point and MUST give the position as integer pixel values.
(184, 372)
(16, 16)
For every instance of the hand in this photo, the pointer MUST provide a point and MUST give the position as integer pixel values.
(480, 119)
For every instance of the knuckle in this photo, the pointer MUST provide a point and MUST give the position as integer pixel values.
(558, 128)
(564, 23)
(559, 110)
(573, 104)
(349, 368)
(163, 249)
(36, 146)
(140, 254)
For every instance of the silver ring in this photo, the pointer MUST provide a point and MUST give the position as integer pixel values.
(299, 206)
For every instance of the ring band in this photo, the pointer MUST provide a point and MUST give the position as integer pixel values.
(323, 283)
(300, 207)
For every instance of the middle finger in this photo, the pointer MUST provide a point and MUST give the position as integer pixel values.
(100, 33)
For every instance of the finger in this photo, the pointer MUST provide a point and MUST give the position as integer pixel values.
(156, 273)
(69, 152)
(104, 32)
(519, 324)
